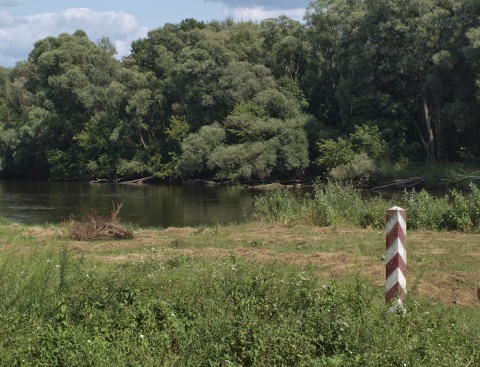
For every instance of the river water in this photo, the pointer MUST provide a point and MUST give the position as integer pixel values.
(144, 205)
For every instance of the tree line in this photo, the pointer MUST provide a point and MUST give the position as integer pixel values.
(360, 87)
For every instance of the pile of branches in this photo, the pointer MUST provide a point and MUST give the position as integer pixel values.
(95, 227)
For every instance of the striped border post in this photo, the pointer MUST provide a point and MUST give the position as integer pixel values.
(396, 257)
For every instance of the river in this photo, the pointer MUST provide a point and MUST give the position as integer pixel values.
(35, 202)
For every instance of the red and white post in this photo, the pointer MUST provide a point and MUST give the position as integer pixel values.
(396, 257)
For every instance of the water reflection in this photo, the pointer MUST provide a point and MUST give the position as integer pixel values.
(145, 205)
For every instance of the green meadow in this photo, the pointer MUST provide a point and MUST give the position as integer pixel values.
(271, 292)
(247, 295)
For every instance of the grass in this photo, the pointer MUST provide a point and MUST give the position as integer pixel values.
(337, 204)
(243, 295)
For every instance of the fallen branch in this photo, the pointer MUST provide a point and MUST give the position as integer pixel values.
(137, 181)
(95, 227)
(409, 183)
(462, 175)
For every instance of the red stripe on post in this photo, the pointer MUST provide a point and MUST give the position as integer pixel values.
(396, 256)
(397, 232)
(396, 262)
(397, 292)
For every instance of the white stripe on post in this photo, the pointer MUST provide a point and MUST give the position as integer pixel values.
(396, 257)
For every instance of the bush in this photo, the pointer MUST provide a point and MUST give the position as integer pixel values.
(474, 201)
(332, 204)
(284, 207)
(197, 147)
(353, 159)
(374, 212)
(338, 204)
(360, 169)
(424, 211)
(457, 215)
(244, 161)
(334, 153)
(277, 147)
(456, 211)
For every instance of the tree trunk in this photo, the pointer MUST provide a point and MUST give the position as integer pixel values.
(429, 142)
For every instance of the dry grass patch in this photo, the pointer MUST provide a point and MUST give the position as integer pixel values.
(451, 288)
(442, 266)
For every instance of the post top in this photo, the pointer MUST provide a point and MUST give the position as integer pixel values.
(396, 208)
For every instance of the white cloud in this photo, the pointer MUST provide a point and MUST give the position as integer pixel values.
(18, 34)
(260, 13)
(6, 19)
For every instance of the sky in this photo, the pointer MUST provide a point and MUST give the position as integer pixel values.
(23, 22)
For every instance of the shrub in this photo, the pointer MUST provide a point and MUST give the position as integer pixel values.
(424, 211)
(359, 169)
(243, 161)
(334, 153)
(282, 206)
(374, 212)
(457, 215)
(338, 204)
(353, 159)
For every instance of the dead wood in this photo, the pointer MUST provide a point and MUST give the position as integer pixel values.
(138, 181)
(416, 183)
(95, 227)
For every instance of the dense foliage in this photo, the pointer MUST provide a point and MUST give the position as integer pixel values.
(337, 204)
(359, 87)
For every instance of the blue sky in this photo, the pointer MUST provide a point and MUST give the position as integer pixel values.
(22, 22)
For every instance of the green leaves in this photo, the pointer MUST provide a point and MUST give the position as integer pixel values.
(355, 158)
(404, 72)
(197, 147)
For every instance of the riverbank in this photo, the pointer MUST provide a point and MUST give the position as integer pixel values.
(431, 176)
(249, 294)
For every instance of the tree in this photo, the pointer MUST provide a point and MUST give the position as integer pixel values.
(197, 147)
(264, 135)
(285, 47)
(398, 65)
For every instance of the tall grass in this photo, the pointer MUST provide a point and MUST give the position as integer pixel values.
(337, 204)
(60, 310)
(285, 207)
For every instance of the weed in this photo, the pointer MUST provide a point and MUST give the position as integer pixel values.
(337, 204)
(257, 243)
(281, 206)
(5, 221)
(178, 243)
